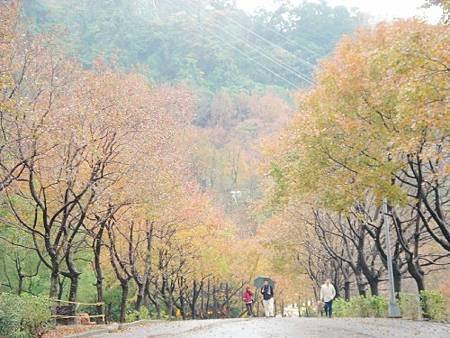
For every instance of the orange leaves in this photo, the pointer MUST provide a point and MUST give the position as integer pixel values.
(374, 98)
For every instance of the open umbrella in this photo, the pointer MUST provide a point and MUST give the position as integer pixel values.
(259, 281)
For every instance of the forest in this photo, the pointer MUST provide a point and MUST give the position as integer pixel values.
(157, 156)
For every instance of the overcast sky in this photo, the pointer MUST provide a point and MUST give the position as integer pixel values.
(380, 9)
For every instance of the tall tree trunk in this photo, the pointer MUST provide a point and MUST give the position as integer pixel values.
(139, 297)
(196, 291)
(227, 300)
(360, 284)
(54, 276)
(73, 290)
(99, 275)
(153, 299)
(143, 283)
(123, 301)
(373, 284)
(207, 298)
(371, 276)
(215, 312)
(61, 282)
(347, 290)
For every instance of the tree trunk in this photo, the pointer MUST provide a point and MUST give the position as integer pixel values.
(361, 285)
(194, 299)
(61, 281)
(202, 304)
(215, 312)
(207, 298)
(99, 274)
(227, 300)
(196, 291)
(347, 290)
(53, 292)
(154, 300)
(143, 284)
(140, 296)
(100, 306)
(373, 283)
(20, 284)
(371, 276)
(73, 290)
(170, 306)
(123, 301)
(182, 299)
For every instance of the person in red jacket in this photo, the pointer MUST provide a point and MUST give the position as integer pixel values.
(248, 300)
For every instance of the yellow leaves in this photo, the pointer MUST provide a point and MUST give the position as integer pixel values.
(379, 97)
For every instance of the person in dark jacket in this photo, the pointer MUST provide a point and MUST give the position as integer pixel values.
(267, 292)
(248, 300)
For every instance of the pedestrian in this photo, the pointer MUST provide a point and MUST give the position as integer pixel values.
(327, 294)
(267, 292)
(248, 300)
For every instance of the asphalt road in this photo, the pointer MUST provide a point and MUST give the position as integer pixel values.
(287, 327)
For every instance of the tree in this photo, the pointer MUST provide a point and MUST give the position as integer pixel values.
(377, 125)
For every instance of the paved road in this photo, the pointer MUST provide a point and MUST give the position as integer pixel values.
(287, 327)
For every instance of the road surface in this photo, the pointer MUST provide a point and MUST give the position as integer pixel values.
(286, 327)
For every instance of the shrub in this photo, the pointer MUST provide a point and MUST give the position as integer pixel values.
(133, 315)
(342, 308)
(374, 306)
(433, 305)
(23, 316)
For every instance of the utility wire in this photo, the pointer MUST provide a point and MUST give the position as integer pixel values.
(218, 37)
(293, 43)
(211, 32)
(268, 57)
(237, 23)
(259, 51)
(262, 38)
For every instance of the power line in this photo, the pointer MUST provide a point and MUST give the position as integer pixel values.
(293, 43)
(273, 60)
(268, 57)
(237, 23)
(252, 59)
(299, 58)
(211, 32)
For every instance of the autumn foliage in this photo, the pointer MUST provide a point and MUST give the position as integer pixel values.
(374, 128)
(97, 181)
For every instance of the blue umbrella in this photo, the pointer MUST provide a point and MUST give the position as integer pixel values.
(259, 281)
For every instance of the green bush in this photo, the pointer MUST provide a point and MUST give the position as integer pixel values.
(433, 305)
(23, 316)
(133, 315)
(342, 308)
(374, 306)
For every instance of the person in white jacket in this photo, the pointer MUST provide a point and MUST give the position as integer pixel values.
(327, 294)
